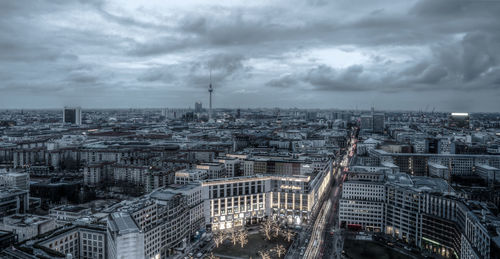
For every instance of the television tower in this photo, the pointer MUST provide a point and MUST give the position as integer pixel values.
(210, 90)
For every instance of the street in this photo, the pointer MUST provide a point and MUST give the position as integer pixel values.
(324, 239)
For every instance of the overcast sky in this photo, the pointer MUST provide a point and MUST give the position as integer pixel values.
(306, 54)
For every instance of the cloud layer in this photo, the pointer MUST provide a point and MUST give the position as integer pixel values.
(325, 54)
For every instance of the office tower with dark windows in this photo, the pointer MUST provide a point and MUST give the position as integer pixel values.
(72, 115)
(378, 122)
(198, 107)
(366, 123)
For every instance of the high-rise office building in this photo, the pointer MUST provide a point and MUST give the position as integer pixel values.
(198, 107)
(378, 122)
(72, 115)
(366, 122)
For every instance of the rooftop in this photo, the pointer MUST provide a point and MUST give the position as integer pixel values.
(122, 223)
(70, 208)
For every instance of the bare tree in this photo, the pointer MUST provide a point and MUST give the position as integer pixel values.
(264, 254)
(267, 227)
(279, 250)
(276, 228)
(212, 256)
(219, 238)
(243, 237)
(288, 234)
(233, 234)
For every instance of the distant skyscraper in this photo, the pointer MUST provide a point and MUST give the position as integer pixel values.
(311, 115)
(238, 113)
(198, 107)
(378, 122)
(366, 122)
(72, 115)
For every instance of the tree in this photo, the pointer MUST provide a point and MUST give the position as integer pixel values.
(234, 236)
(219, 238)
(276, 228)
(267, 227)
(243, 237)
(288, 234)
(212, 256)
(279, 250)
(264, 254)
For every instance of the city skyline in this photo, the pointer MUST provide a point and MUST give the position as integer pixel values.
(287, 129)
(305, 54)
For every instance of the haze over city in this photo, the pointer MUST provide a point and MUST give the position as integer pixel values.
(404, 55)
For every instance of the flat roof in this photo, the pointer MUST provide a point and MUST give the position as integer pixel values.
(423, 183)
(383, 152)
(487, 167)
(436, 165)
(70, 208)
(123, 223)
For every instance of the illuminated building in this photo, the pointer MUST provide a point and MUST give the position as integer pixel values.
(459, 120)
(362, 202)
(235, 201)
(238, 201)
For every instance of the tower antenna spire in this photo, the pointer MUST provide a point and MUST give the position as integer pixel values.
(210, 90)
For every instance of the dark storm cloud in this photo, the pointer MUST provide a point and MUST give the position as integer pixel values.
(162, 74)
(99, 6)
(432, 75)
(222, 67)
(238, 28)
(469, 64)
(159, 46)
(283, 82)
(438, 8)
(326, 78)
(82, 77)
(122, 47)
(44, 57)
